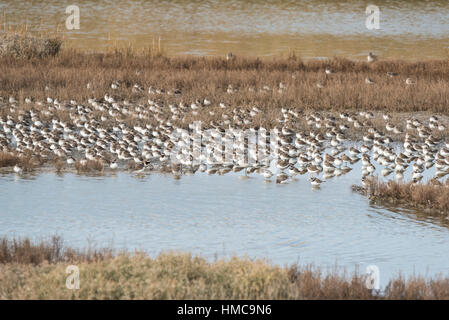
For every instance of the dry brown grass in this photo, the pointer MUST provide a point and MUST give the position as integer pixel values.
(8, 159)
(432, 196)
(68, 73)
(38, 271)
(59, 165)
(27, 161)
(25, 251)
(28, 46)
(89, 166)
(417, 288)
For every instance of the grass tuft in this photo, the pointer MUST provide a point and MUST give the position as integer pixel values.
(8, 159)
(432, 196)
(89, 166)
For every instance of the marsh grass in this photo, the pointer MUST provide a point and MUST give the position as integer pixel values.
(26, 251)
(68, 73)
(27, 46)
(432, 196)
(26, 161)
(8, 159)
(36, 270)
(59, 165)
(89, 166)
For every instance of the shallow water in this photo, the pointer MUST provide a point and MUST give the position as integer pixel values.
(219, 216)
(311, 28)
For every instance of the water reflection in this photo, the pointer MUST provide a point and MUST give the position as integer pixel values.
(418, 215)
(312, 28)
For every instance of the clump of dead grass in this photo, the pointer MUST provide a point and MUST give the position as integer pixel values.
(26, 251)
(27, 46)
(8, 159)
(89, 166)
(26, 161)
(432, 196)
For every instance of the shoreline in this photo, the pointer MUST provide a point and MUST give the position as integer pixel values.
(37, 270)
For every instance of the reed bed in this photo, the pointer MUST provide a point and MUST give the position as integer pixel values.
(66, 75)
(8, 159)
(38, 271)
(432, 196)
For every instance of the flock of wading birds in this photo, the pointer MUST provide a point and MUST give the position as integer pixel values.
(315, 144)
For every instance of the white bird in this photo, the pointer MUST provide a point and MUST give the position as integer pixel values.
(17, 169)
(267, 174)
(315, 182)
(371, 57)
(113, 165)
(369, 81)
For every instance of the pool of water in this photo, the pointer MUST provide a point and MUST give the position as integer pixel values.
(311, 28)
(220, 216)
